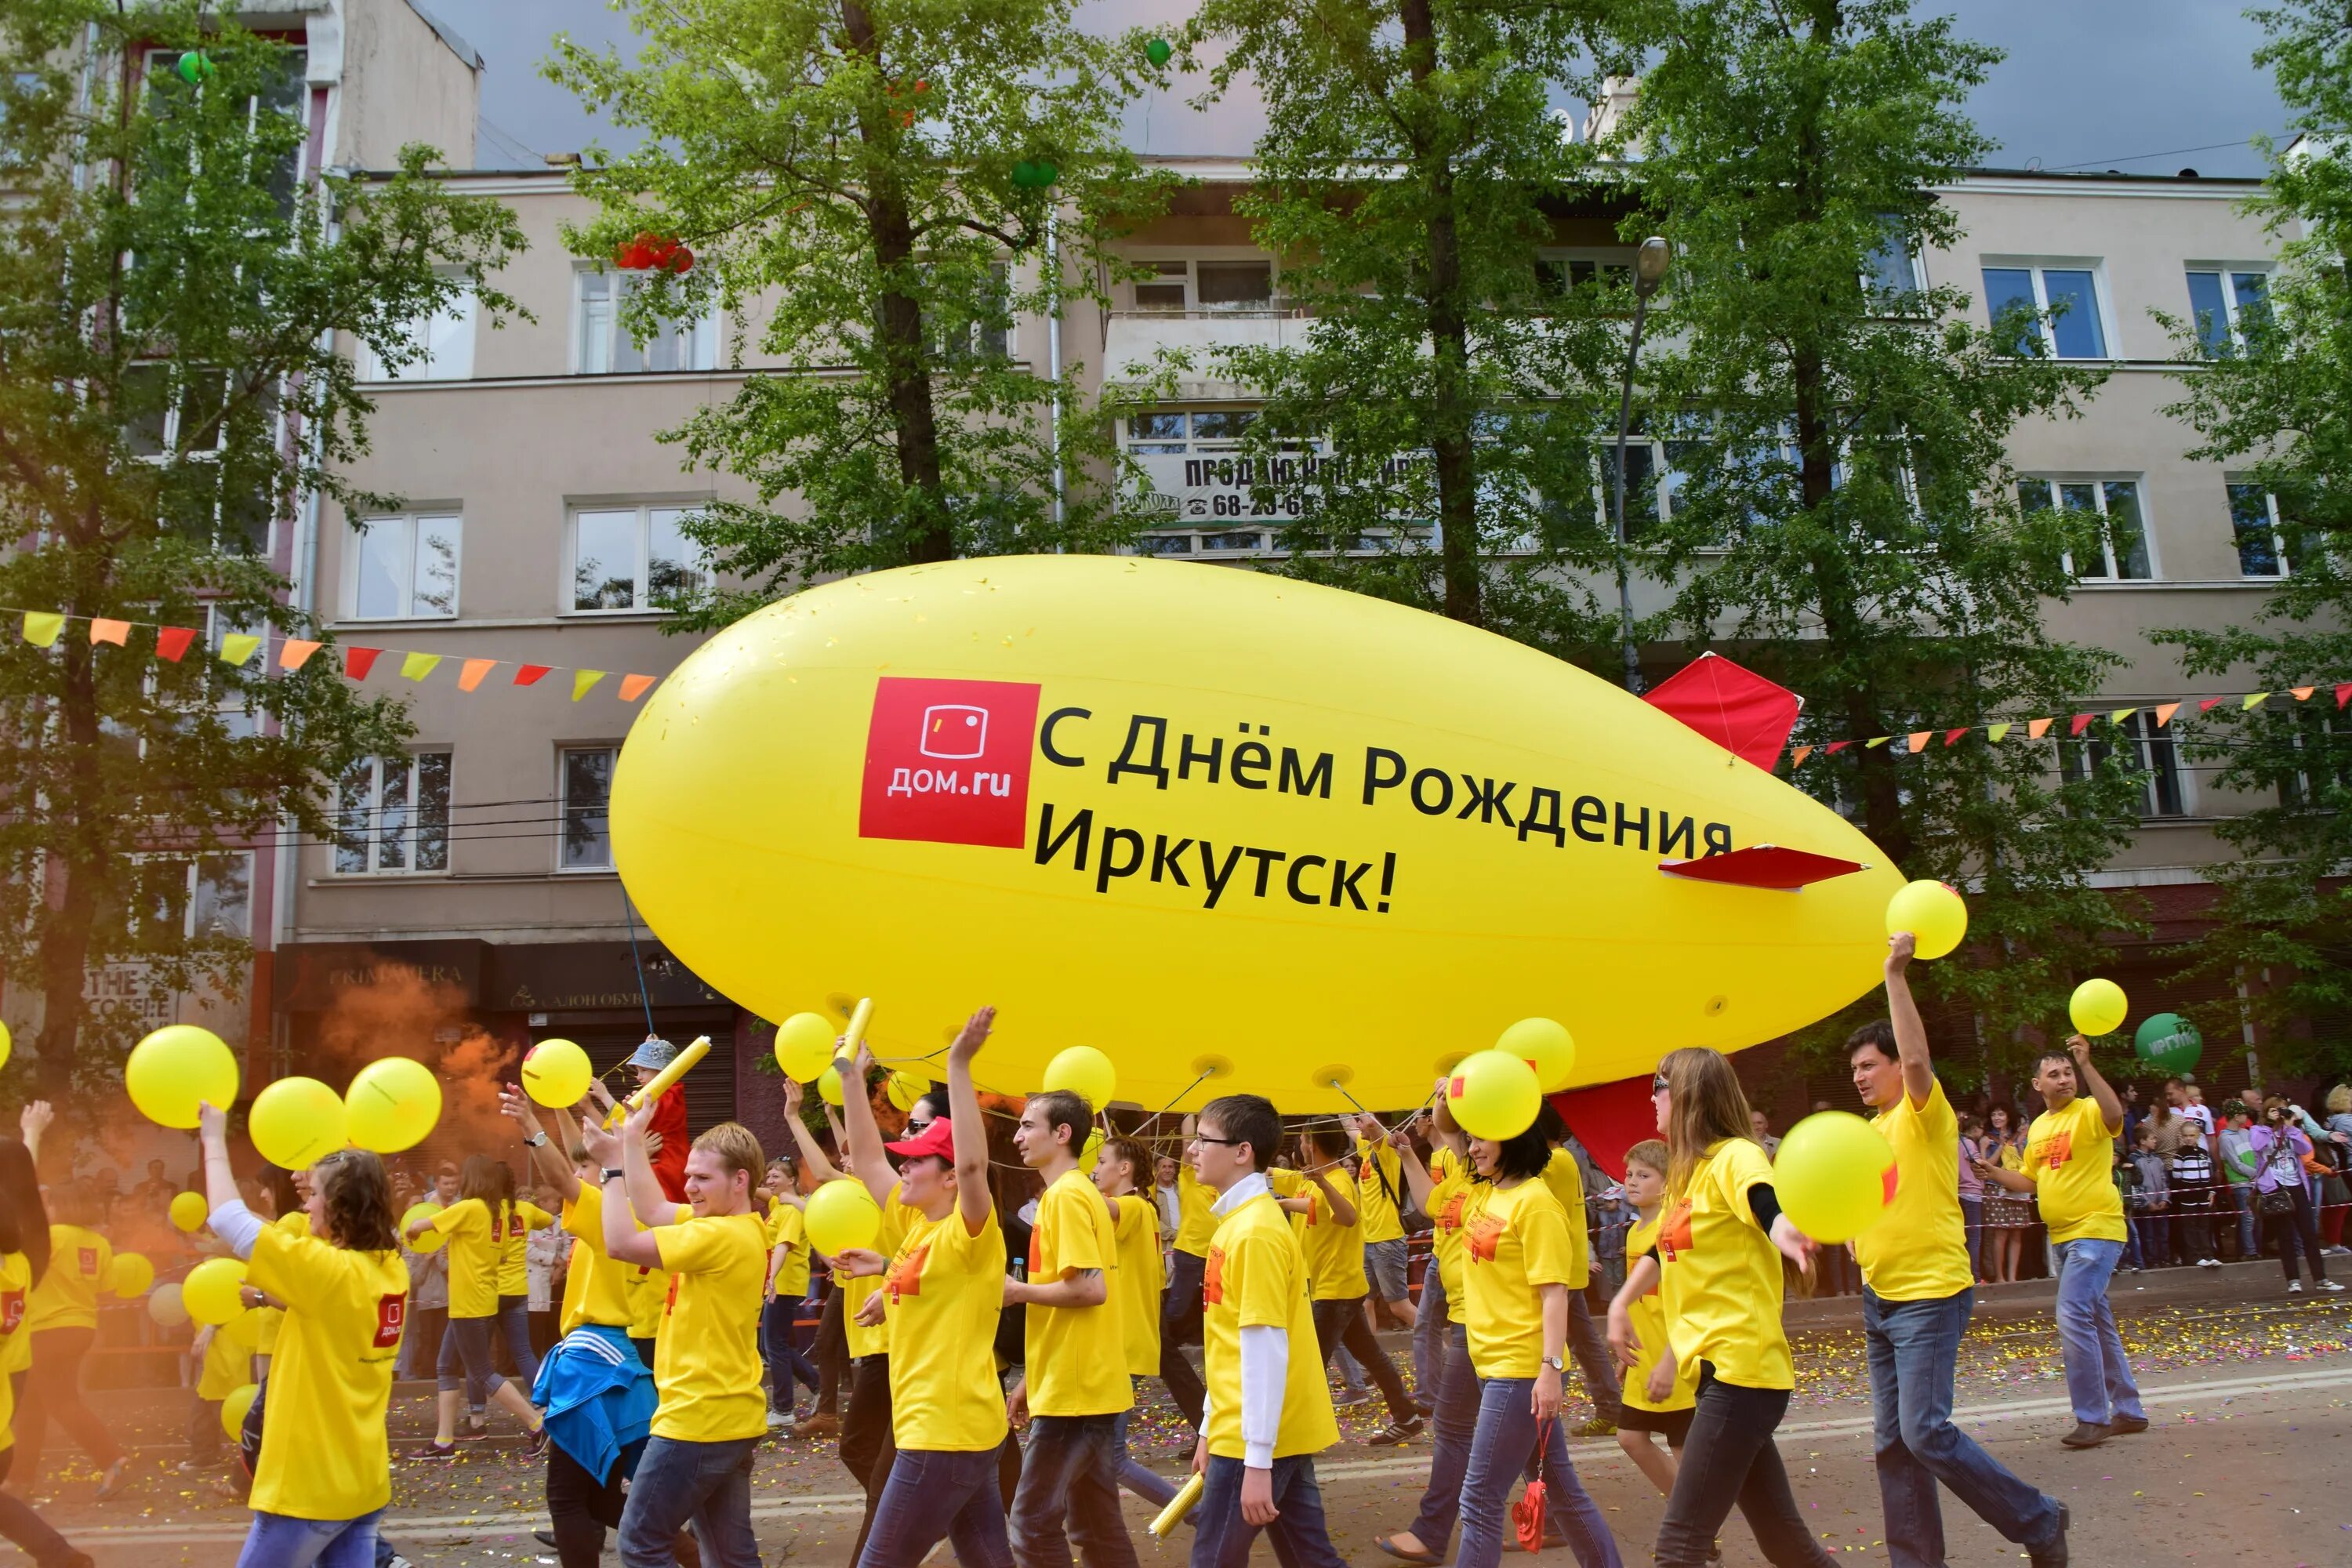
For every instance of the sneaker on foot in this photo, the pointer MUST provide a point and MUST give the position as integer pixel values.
(434, 1451)
(1598, 1427)
(2294, 1287)
(472, 1431)
(112, 1481)
(2086, 1434)
(2330, 1287)
(1396, 1432)
(1351, 1396)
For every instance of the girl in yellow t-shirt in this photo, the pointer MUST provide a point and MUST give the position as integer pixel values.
(61, 1324)
(1716, 1259)
(476, 1225)
(1135, 1285)
(1659, 1391)
(23, 1259)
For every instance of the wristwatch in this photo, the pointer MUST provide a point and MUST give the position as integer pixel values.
(614, 1172)
(1556, 1363)
(536, 1140)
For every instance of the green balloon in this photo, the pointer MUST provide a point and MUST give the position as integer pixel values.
(194, 67)
(1158, 51)
(2169, 1043)
(1046, 175)
(1025, 174)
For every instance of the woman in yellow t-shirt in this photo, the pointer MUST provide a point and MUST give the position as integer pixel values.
(323, 1477)
(61, 1324)
(1135, 1285)
(23, 1259)
(476, 1225)
(1717, 1261)
(516, 1219)
(1441, 1190)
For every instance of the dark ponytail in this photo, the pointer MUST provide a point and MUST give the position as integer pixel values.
(24, 1218)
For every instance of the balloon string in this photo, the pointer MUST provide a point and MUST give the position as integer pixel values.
(630, 915)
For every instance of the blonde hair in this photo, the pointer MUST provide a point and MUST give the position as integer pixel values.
(1704, 1106)
(1649, 1152)
(738, 1148)
(2339, 1099)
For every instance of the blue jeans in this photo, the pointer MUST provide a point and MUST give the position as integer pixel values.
(1453, 1426)
(706, 1484)
(1972, 1225)
(2098, 1379)
(783, 1352)
(1147, 1484)
(1914, 1349)
(2242, 1195)
(280, 1540)
(465, 1347)
(1070, 1473)
(1506, 1435)
(1429, 1339)
(2155, 1234)
(933, 1493)
(1221, 1536)
(514, 1321)
(1589, 1347)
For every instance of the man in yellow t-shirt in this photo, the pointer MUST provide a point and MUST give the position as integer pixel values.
(1269, 1406)
(697, 1466)
(1330, 1233)
(1380, 1190)
(1917, 1295)
(1075, 1385)
(2069, 1158)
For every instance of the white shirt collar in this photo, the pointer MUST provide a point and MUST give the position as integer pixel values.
(1240, 1192)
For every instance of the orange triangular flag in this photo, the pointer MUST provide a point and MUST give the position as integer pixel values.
(2302, 693)
(2164, 712)
(116, 632)
(633, 686)
(471, 674)
(1918, 740)
(1797, 758)
(296, 653)
(2036, 727)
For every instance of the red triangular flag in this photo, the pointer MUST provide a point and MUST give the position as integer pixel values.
(1952, 737)
(358, 661)
(171, 642)
(1834, 747)
(529, 673)
(2079, 722)
(2344, 694)
(2210, 703)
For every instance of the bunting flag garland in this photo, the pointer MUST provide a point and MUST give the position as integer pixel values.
(471, 675)
(582, 680)
(417, 666)
(1998, 732)
(42, 627)
(358, 661)
(529, 673)
(2037, 728)
(1917, 739)
(633, 687)
(1952, 737)
(116, 632)
(238, 647)
(2076, 725)
(171, 642)
(2165, 710)
(296, 652)
(2254, 700)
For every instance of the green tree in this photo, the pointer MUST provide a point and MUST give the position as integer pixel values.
(2269, 400)
(1841, 512)
(170, 302)
(1410, 175)
(868, 178)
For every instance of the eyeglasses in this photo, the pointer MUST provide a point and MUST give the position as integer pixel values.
(1228, 1143)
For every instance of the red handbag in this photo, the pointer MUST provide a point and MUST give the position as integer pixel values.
(1527, 1513)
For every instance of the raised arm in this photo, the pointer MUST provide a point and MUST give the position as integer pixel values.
(1910, 1032)
(546, 1155)
(868, 1161)
(972, 1197)
(1343, 1209)
(812, 1152)
(2111, 1109)
(32, 1122)
(1416, 1175)
(623, 1242)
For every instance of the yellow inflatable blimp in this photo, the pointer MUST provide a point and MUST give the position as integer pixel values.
(1239, 832)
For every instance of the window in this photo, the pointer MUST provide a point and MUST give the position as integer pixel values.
(1557, 272)
(986, 332)
(282, 94)
(2143, 747)
(2066, 303)
(201, 898)
(404, 568)
(2254, 519)
(631, 558)
(2227, 303)
(603, 345)
(392, 815)
(2122, 553)
(1890, 270)
(1193, 285)
(2323, 734)
(446, 344)
(1656, 474)
(585, 784)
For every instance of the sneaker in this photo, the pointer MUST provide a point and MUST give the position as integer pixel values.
(2122, 1426)
(1598, 1427)
(2329, 1287)
(2294, 1287)
(2086, 1434)
(434, 1451)
(2053, 1553)
(2136, 1269)
(1351, 1396)
(1396, 1432)
(472, 1431)
(534, 1443)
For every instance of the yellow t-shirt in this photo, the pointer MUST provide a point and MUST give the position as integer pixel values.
(1566, 1180)
(1649, 1316)
(1194, 1203)
(1335, 1252)
(706, 1366)
(1447, 1199)
(1077, 1356)
(267, 1321)
(474, 1237)
(15, 1283)
(228, 1358)
(514, 1271)
(1255, 1277)
(1512, 1242)
(788, 1229)
(1722, 1274)
(1376, 1210)
(945, 1286)
(323, 1449)
(67, 1296)
(596, 1288)
(898, 1219)
(1919, 1250)
(2070, 1154)
(1135, 1288)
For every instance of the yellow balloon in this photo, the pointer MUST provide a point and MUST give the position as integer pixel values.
(1001, 744)
(245, 1329)
(1933, 912)
(2097, 1007)
(842, 1214)
(131, 1275)
(1546, 1047)
(1090, 1155)
(189, 1212)
(7, 1045)
(804, 1045)
(210, 1291)
(556, 1073)
(233, 1408)
(394, 1103)
(1085, 1072)
(432, 1240)
(296, 1122)
(165, 1307)
(906, 1088)
(177, 1067)
(1835, 1174)
(828, 1084)
(1492, 1094)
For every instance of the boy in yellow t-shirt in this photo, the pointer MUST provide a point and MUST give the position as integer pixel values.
(1136, 1286)
(1331, 1231)
(1269, 1406)
(697, 1466)
(788, 1280)
(1659, 1391)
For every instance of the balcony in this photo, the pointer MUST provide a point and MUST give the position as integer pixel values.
(1134, 339)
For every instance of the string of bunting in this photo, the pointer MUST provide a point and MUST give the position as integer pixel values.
(1919, 741)
(42, 628)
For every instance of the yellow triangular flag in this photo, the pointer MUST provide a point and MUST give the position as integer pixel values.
(42, 627)
(2120, 714)
(1997, 731)
(417, 666)
(582, 680)
(2254, 701)
(238, 647)
(1876, 741)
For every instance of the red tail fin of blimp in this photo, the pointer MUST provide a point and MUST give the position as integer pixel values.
(1736, 709)
(1763, 865)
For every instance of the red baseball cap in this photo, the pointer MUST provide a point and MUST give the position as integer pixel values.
(938, 1137)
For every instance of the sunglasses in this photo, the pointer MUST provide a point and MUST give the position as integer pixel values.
(1658, 1084)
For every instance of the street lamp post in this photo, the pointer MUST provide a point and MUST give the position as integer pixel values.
(1649, 271)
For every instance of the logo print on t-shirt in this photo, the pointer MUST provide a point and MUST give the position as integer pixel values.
(906, 1273)
(1213, 1278)
(1675, 1235)
(670, 1308)
(1450, 1216)
(2062, 1149)
(1484, 1232)
(391, 1313)
(12, 1310)
(1890, 1183)
(90, 1262)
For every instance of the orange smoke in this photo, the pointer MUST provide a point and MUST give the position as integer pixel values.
(400, 1014)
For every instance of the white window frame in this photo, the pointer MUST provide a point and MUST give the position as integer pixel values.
(454, 325)
(641, 601)
(195, 867)
(2140, 733)
(2099, 483)
(1192, 260)
(1604, 258)
(703, 352)
(2102, 299)
(2226, 272)
(371, 834)
(300, 113)
(2278, 536)
(355, 531)
(563, 808)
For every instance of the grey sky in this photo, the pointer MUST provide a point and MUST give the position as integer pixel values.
(2126, 84)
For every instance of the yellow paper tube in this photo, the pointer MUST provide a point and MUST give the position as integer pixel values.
(670, 1074)
(861, 1016)
(1178, 1505)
